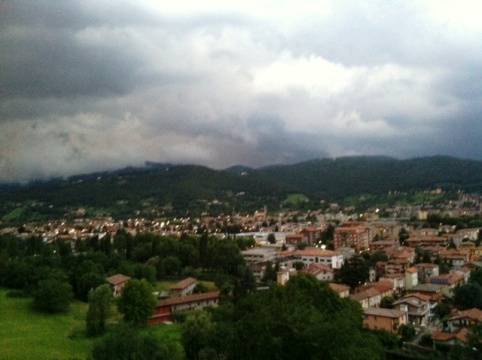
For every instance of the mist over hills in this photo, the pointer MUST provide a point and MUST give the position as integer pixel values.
(193, 188)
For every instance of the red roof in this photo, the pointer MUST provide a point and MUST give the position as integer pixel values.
(442, 336)
(315, 269)
(117, 279)
(315, 252)
(181, 285)
(212, 295)
(339, 288)
(472, 314)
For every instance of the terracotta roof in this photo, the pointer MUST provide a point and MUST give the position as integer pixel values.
(339, 288)
(420, 296)
(383, 286)
(473, 314)
(181, 285)
(117, 279)
(442, 336)
(316, 269)
(362, 295)
(315, 252)
(390, 313)
(189, 298)
(411, 270)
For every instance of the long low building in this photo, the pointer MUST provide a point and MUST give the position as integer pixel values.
(166, 308)
(319, 256)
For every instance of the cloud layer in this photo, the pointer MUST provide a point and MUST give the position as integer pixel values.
(89, 85)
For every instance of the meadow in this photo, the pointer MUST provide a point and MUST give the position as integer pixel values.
(28, 334)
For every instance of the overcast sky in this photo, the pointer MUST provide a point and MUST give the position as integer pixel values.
(89, 85)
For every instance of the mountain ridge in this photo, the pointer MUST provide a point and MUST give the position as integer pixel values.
(195, 188)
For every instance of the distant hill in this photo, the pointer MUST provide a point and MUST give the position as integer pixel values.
(194, 189)
(347, 176)
(239, 169)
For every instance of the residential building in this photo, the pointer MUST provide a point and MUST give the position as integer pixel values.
(464, 318)
(320, 271)
(165, 309)
(450, 339)
(117, 283)
(367, 298)
(418, 307)
(411, 277)
(319, 256)
(384, 319)
(426, 271)
(352, 234)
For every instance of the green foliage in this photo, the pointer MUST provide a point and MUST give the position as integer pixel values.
(200, 288)
(468, 296)
(270, 274)
(128, 344)
(426, 340)
(354, 272)
(406, 332)
(443, 309)
(476, 276)
(182, 187)
(197, 335)
(287, 321)
(137, 302)
(52, 296)
(387, 302)
(100, 301)
(295, 201)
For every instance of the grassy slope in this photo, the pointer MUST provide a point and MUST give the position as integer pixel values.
(26, 334)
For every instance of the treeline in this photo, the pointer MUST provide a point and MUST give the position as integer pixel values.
(84, 265)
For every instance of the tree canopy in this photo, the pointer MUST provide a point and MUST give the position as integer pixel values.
(304, 317)
(137, 302)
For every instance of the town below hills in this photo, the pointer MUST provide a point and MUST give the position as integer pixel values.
(383, 255)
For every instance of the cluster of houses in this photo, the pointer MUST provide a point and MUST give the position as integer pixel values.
(415, 284)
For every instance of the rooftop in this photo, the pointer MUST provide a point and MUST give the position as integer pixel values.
(181, 285)
(390, 313)
(117, 279)
(212, 295)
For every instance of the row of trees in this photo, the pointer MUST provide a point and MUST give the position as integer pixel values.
(25, 263)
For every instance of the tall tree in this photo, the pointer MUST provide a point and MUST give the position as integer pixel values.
(100, 301)
(137, 302)
(197, 331)
(468, 296)
(354, 272)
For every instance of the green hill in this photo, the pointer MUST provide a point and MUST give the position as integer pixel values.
(190, 189)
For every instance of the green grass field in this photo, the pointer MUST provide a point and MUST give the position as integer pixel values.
(28, 334)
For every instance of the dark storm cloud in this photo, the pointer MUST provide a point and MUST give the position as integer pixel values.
(91, 85)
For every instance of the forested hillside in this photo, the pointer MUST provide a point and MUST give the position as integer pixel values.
(193, 189)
